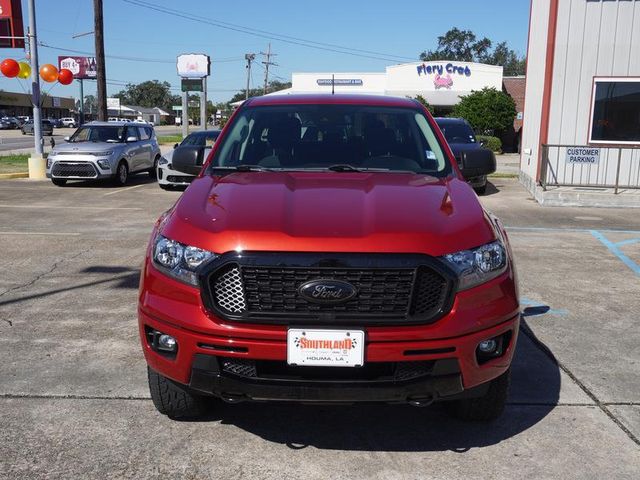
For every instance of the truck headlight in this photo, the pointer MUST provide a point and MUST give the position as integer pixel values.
(178, 260)
(478, 265)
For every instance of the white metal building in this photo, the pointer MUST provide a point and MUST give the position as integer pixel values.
(582, 101)
(441, 83)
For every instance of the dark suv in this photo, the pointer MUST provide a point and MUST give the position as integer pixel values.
(461, 138)
(47, 127)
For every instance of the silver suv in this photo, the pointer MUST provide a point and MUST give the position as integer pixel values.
(105, 150)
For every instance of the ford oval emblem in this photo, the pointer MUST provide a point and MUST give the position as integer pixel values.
(327, 291)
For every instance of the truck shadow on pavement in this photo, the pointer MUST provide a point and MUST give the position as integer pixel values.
(535, 391)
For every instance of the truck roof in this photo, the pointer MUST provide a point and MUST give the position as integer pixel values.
(335, 99)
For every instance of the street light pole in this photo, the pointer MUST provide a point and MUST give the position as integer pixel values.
(35, 79)
(37, 165)
(101, 74)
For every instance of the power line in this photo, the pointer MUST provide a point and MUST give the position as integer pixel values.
(134, 59)
(270, 35)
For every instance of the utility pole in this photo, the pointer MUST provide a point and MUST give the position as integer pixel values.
(266, 66)
(249, 57)
(35, 83)
(101, 74)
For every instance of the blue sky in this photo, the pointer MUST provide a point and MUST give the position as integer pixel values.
(396, 31)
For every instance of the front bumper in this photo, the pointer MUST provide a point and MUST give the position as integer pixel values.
(79, 167)
(455, 371)
(168, 176)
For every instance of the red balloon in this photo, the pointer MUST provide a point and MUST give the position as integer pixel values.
(65, 77)
(10, 68)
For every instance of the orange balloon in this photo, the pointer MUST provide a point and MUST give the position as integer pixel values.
(10, 68)
(48, 73)
(65, 77)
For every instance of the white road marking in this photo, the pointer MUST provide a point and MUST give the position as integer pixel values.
(120, 190)
(63, 207)
(59, 234)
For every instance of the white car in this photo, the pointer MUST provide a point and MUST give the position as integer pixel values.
(69, 122)
(169, 178)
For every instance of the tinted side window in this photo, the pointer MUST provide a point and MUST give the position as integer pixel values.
(144, 133)
(132, 132)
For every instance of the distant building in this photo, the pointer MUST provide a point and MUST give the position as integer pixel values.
(14, 104)
(582, 121)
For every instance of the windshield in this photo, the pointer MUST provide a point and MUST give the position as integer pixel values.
(458, 132)
(98, 134)
(317, 137)
(199, 139)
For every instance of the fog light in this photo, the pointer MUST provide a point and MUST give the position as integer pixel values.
(488, 346)
(167, 343)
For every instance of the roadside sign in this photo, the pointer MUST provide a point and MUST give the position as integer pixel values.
(81, 67)
(583, 155)
(191, 85)
(11, 24)
(193, 65)
(113, 103)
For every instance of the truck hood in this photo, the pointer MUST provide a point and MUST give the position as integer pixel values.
(329, 211)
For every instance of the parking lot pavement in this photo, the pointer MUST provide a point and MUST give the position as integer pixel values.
(74, 400)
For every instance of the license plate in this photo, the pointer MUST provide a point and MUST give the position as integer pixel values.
(325, 348)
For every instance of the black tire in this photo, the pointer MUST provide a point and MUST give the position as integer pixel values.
(23, 132)
(481, 190)
(122, 174)
(153, 171)
(485, 408)
(172, 399)
(60, 182)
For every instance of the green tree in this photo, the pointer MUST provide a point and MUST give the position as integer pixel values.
(424, 102)
(489, 111)
(151, 93)
(273, 86)
(90, 104)
(463, 46)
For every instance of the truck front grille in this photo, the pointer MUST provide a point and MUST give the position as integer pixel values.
(385, 295)
(74, 169)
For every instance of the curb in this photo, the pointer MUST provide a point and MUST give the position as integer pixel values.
(7, 176)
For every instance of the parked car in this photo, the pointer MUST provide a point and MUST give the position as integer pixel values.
(461, 138)
(47, 127)
(55, 122)
(329, 250)
(5, 124)
(69, 122)
(104, 150)
(22, 119)
(12, 122)
(168, 177)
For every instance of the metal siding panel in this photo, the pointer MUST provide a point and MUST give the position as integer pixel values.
(607, 38)
(560, 81)
(536, 52)
(634, 54)
(624, 32)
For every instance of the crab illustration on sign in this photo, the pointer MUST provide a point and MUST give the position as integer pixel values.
(443, 82)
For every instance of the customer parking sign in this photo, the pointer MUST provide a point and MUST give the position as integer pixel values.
(583, 155)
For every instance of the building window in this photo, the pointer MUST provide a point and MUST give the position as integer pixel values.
(615, 111)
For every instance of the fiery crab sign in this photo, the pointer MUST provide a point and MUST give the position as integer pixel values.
(193, 65)
(81, 67)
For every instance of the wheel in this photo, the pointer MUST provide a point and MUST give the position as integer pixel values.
(481, 190)
(122, 174)
(23, 132)
(60, 182)
(485, 408)
(172, 399)
(153, 171)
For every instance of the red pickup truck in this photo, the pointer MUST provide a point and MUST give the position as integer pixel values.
(330, 250)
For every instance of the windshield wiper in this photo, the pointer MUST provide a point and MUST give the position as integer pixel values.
(345, 167)
(244, 168)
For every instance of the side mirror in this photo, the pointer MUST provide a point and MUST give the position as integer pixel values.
(482, 143)
(175, 146)
(67, 138)
(132, 139)
(476, 163)
(188, 159)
